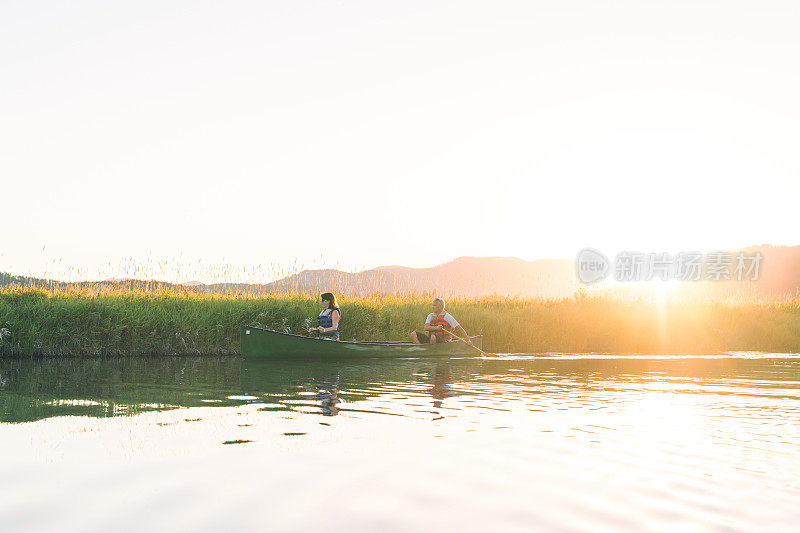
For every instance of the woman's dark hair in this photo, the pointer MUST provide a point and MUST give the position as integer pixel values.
(331, 299)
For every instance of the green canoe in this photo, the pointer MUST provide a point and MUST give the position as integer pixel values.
(261, 342)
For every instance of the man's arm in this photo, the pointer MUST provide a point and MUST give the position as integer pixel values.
(428, 326)
(456, 327)
(461, 332)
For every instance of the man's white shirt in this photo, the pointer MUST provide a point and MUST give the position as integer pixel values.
(447, 317)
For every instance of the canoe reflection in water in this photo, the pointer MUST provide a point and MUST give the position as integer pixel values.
(440, 378)
(585, 442)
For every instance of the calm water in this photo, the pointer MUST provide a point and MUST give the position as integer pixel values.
(562, 443)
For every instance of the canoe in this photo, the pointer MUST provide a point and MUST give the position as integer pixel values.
(262, 342)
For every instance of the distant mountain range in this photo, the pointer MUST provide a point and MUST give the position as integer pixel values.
(465, 276)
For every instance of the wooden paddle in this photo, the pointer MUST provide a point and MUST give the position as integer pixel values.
(487, 354)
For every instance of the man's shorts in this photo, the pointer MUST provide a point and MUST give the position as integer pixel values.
(424, 338)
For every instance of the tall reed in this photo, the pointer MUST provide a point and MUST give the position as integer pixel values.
(34, 322)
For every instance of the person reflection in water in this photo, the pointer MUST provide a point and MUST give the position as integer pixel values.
(441, 387)
(328, 394)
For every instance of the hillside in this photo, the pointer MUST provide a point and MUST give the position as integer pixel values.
(465, 276)
(469, 277)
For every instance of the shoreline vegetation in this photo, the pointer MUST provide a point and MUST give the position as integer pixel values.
(37, 323)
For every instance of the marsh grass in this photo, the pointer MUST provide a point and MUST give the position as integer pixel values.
(34, 322)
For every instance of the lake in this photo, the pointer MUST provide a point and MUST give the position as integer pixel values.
(517, 443)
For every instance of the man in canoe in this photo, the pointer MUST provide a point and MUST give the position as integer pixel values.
(440, 325)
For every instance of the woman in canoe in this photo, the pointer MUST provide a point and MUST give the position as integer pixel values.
(328, 319)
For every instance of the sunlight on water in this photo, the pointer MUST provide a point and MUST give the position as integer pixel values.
(562, 442)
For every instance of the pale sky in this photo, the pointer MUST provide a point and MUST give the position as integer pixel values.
(209, 140)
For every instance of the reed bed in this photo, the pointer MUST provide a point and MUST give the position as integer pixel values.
(35, 322)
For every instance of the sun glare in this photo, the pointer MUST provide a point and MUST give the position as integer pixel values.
(660, 288)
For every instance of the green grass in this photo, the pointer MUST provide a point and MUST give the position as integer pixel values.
(38, 323)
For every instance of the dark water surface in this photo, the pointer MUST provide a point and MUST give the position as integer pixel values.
(561, 443)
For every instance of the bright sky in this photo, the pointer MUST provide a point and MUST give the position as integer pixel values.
(202, 139)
